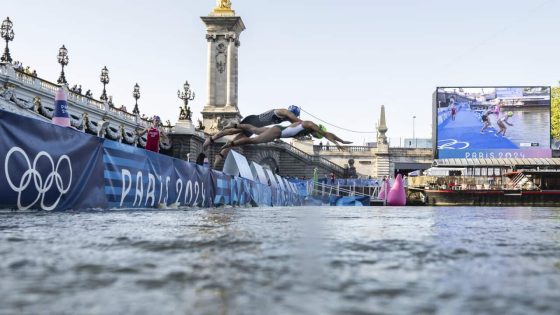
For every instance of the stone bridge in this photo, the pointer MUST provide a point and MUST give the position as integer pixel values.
(278, 156)
(374, 161)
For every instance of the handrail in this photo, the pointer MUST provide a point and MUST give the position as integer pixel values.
(350, 192)
(349, 148)
(318, 159)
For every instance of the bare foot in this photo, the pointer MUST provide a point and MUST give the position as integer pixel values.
(207, 143)
(231, 124)
(219, 157)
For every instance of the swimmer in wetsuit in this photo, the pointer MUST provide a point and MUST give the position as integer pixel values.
(485, 120)
(298, 129)
(271, 117)
(502, 124)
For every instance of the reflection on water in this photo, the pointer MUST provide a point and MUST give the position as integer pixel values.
(282, 261)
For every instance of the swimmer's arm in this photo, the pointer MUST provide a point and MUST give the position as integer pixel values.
(336, 138)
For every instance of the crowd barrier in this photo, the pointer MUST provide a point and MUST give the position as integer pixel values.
(48, 167)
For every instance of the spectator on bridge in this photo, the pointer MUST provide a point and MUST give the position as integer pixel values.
(154, 134)
(273, 116)
(298, 129)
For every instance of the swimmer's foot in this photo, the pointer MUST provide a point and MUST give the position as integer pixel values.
(207, 142)
(219, 157)
(231, 124)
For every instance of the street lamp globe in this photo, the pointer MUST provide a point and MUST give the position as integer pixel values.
(63, 61)
(7, 33)
(104, 78)
(186, 95)
(136, 95)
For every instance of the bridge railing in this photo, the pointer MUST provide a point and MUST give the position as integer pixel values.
(349, 148)
(322, 161)
(37, 83)
(324, 189)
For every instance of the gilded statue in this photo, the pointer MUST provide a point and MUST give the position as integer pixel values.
(224, 4)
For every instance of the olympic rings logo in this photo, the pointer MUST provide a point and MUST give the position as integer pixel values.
(453, 144)
(41, 186)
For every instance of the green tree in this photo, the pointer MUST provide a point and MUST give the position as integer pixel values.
(555, 121)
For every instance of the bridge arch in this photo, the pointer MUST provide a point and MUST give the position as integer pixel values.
(268, 159)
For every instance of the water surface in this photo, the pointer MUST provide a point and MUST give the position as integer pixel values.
(363, 260)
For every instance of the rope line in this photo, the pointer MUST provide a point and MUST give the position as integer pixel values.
(333, 125)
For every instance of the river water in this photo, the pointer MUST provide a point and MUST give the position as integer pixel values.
(351, 260)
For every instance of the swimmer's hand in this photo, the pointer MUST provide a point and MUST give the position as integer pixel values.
(347, 142)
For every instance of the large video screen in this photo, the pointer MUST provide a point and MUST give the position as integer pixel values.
(493, 122)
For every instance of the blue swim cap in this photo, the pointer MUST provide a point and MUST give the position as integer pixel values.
(294, 109)
(156, 118)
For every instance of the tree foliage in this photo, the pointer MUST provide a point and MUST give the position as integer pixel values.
(555, 100)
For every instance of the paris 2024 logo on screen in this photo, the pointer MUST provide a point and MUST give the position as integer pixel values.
(493, 122)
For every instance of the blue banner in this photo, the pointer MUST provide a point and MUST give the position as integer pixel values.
(137, 178)
(48, 167)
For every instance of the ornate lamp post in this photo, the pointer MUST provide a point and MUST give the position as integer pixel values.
(63, 61)
(136, 95)
(104, 77)
(7, 34)
(186, 95)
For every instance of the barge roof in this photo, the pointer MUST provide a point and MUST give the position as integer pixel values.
(496, 162)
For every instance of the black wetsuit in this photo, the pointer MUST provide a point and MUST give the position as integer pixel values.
(485, 116)
(262, 120)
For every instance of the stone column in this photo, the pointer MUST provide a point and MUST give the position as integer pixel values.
(230, 98)
(211, 70)
(236, 72)
(223, 29)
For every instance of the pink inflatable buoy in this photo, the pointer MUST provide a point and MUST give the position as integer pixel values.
(385, 186)
(397, 195)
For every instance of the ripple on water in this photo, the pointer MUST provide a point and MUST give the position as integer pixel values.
(282, 261)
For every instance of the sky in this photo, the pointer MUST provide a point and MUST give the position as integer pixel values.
(340, 60)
